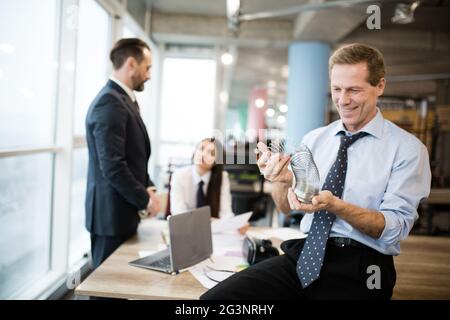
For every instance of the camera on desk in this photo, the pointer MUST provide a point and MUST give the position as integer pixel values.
(256, 250)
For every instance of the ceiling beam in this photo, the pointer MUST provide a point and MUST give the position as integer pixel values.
(328, 25)
(201, 29)
(313, 5)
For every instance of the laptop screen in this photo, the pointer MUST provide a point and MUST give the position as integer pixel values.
(190, 237)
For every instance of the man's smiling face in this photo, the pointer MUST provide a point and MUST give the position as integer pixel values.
(354, 97)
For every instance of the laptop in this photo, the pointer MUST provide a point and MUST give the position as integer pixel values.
(190, 242)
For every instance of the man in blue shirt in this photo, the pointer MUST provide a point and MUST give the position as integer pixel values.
(373, 176)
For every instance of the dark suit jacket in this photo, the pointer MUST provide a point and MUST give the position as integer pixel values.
(119, 149)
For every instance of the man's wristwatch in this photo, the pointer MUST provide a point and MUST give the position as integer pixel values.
(143, 213)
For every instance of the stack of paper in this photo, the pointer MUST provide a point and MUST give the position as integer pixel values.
(230, 224)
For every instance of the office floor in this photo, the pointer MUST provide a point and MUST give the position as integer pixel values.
(423, 268)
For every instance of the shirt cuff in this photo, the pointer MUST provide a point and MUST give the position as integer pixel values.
(391, 229)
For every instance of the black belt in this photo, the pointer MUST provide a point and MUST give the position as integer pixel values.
(344, 242)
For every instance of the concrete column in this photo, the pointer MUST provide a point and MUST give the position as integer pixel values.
(307, 88)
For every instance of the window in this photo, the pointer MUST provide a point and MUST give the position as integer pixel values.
(25, 214)
(143, 98)
(127, 33)
(42, 215)
(28, 69)
(28, 81)
(93, 45)
(79, 237)
(187, 101)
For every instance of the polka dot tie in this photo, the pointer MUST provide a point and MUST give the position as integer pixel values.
(311, 258)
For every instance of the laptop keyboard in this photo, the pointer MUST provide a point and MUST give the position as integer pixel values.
(163, 263)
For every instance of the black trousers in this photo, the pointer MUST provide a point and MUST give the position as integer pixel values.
(344, 275)
(103, 246)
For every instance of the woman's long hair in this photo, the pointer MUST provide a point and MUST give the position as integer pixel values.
(215, 182)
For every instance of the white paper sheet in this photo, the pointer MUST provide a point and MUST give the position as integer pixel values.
(228, 244)
(279, 233)
(211, 271)
(230, 224)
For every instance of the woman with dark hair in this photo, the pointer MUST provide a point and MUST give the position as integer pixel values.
(204, 183)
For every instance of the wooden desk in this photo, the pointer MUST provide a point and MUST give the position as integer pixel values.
(423, 271)
(116, 279)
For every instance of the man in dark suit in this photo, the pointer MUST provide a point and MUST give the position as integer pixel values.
(119, 189)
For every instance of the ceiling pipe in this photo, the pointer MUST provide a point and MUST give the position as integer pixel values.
(305, 7)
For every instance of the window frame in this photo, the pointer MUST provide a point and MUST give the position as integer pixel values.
(65, 142)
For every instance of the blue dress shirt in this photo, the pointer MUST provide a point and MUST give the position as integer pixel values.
(388, 171)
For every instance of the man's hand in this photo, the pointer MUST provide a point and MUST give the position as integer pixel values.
(274, 167)
(323, 201)
(154, 206)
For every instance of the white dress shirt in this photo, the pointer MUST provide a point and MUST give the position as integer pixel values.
(183, 191)
(388, 171)
(129, 92)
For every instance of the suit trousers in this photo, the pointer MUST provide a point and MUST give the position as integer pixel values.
(103, 246)
(347, 273)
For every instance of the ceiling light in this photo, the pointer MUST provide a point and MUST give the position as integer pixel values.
(270, 112)
(281, 119)
(404, 13)
(259, 103)
(284, 108)
(233, 7)
(227, 58)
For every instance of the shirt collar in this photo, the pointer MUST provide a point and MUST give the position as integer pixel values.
(129, 92)
(196, 178)
(374, 127)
